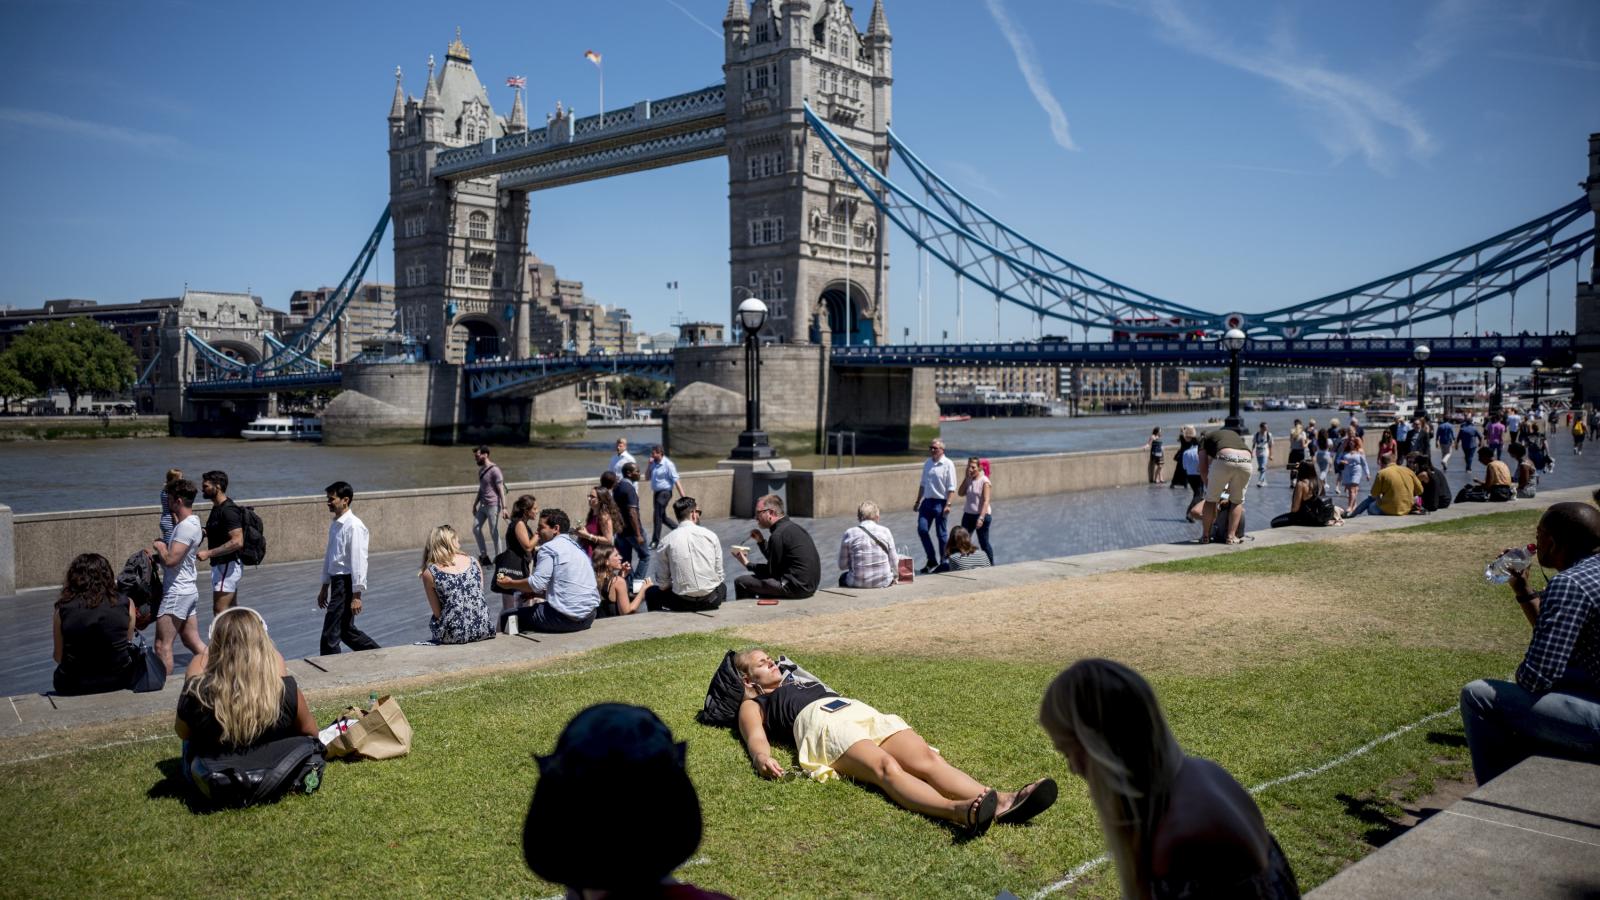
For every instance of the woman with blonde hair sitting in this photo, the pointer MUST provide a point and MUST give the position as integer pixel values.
(238, 695)
(454, 585)
(1176, 825)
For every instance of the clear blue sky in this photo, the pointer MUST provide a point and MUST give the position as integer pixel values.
(1225, 154)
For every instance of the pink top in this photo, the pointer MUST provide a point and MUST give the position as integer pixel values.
(975, 495)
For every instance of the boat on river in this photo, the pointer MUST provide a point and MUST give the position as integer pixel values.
(283, 428)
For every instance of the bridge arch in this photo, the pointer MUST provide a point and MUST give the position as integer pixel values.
(476, 337)
(857, 317)
(205, 370)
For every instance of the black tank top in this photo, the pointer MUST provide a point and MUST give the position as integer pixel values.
(780, 708)
(95, 656)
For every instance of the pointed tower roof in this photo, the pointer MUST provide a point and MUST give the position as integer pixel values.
(430, 98)
(879, 24)
(519, 116)
(738, 11)
(397, 109)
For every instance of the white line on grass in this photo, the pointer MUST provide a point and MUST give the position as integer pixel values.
(106, 746)
(1089, 866)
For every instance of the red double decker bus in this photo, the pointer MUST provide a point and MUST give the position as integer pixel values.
(1183, 330)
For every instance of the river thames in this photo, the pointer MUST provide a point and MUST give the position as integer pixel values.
(49, 476)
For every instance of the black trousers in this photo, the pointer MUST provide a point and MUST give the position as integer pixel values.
(339, 623)
(663, 500)
(658, 597)
(748, 586)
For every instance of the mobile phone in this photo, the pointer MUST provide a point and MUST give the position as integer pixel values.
(835, 704)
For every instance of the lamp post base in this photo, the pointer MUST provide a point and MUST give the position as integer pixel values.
(754, 479)
(753, 445)
(1234, 423)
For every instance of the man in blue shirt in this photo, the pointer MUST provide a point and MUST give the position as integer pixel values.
(562, 575)
(1553, 707)
(663, 478)
(1469, 437)
(1445, 437)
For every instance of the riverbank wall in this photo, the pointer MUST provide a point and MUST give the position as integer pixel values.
(60, 428)
(35, 548)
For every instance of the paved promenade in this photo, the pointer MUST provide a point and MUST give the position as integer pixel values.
(295, 622)
(396, 612)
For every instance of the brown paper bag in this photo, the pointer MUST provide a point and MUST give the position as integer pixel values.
(381, 732)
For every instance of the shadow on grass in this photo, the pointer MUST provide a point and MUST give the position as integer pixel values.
(1447, 739)
(1381, 828)
(173, 786)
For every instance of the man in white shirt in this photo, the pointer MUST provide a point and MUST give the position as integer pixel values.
(622, 458)
(179, 594)
(688, 575)
(867, 556)
(344, 569)
(935, 493)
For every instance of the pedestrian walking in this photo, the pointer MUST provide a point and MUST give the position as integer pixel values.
(1355, 471)
(1579, 431)
(663, 477)
(179, 595)
(167, 521)
(1445, 437)
(630, 541)
(344, 573)
(1180, 477)
(1298, 441)
(935, 492)
(1324, 458)
(1193, 479)
(622, 458)
(1262, 443)
(1155, 464)
(977, 513)
(224, 540)
(489, 506)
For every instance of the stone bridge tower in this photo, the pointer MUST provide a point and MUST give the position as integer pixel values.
(803, 237)
(458, 245)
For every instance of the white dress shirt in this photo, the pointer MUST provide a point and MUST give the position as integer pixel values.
(620, 460)
(689, 561)
(938, 479)
(347, 551)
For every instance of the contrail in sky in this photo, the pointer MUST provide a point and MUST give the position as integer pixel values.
(695, 19)
(1028, 62)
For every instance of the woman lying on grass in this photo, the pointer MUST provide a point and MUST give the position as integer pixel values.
(833, 735)
(1176, 825)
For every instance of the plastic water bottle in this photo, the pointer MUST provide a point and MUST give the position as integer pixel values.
(1506, 564)
(372, 699)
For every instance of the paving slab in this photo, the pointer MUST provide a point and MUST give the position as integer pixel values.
(1533, 833)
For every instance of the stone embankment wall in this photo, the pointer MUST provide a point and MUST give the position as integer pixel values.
(56, 428)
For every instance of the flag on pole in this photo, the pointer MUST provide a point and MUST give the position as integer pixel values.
(592, 56)
(517, 81)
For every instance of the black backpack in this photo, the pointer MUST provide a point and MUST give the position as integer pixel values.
(262, 775)
(255, 538)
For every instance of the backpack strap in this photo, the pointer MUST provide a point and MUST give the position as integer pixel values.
(287, 765)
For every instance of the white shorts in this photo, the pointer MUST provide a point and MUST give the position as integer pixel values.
(225, 578)
(822, 737)
(1232, 475)
(179, 606)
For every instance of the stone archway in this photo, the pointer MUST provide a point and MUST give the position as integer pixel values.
(478, 338)
(853, 317)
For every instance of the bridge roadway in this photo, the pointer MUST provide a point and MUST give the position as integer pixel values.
(1029, 528)
(504, 378)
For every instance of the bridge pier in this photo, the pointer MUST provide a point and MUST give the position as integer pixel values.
(425, 403)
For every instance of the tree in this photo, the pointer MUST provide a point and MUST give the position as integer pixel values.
(76, 355)
(12, 385)
(1377, 384)
(632, 387)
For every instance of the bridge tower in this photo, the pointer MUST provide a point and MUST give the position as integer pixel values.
(1587, 332)
(458, 245)
(800, 230)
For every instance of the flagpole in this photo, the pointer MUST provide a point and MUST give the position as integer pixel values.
(602, 67)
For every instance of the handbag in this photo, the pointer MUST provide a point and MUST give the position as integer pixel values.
(513, 564)
(381, 732)
(286, 765)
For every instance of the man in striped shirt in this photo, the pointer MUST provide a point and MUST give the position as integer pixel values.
(1553, 707)
(867, 556)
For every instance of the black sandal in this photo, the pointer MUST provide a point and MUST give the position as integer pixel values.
(1029, 802)
(980, 812)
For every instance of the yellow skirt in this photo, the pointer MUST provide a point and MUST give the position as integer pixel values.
(821, 737)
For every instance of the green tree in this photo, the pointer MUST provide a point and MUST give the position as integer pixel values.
(639, 390)
(1377, 384)
(75, 355)
(12, 385)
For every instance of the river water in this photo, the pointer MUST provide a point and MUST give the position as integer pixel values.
(48, 476)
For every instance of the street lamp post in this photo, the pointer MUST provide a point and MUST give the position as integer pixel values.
(1420, 353)
(1497, 399)
(1533, 370)
(752, 441)
(1233, 341)
(1577, 385)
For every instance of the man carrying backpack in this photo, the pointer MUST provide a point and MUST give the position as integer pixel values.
(224, 540)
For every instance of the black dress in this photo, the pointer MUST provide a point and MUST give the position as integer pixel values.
(95, 654)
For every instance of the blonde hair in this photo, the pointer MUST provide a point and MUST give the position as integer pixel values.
(741, 660)
(241, 685)
(1130, 757)
(173, 475)
(441, 548)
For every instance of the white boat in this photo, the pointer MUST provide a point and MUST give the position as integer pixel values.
(276, 428)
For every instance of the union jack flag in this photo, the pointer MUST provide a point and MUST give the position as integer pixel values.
(517, 81)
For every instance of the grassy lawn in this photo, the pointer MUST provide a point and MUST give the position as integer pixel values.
(447, 819)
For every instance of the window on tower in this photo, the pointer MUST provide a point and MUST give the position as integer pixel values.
(478, 226)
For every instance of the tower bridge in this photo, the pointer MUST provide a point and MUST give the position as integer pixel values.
(802, 116)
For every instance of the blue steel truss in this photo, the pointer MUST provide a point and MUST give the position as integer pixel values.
(526, 377)
(1006, 264)
(258, 383)
(294, 356)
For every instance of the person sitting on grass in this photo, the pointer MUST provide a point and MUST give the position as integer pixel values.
(835, 736)
(1553, 706)
(614, 763)
(97, 648)
(960, 554)
(1523, 476)
(238, 695)
(1308, 501)
(1176, 825)
(1394, 491)
(611, 576)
